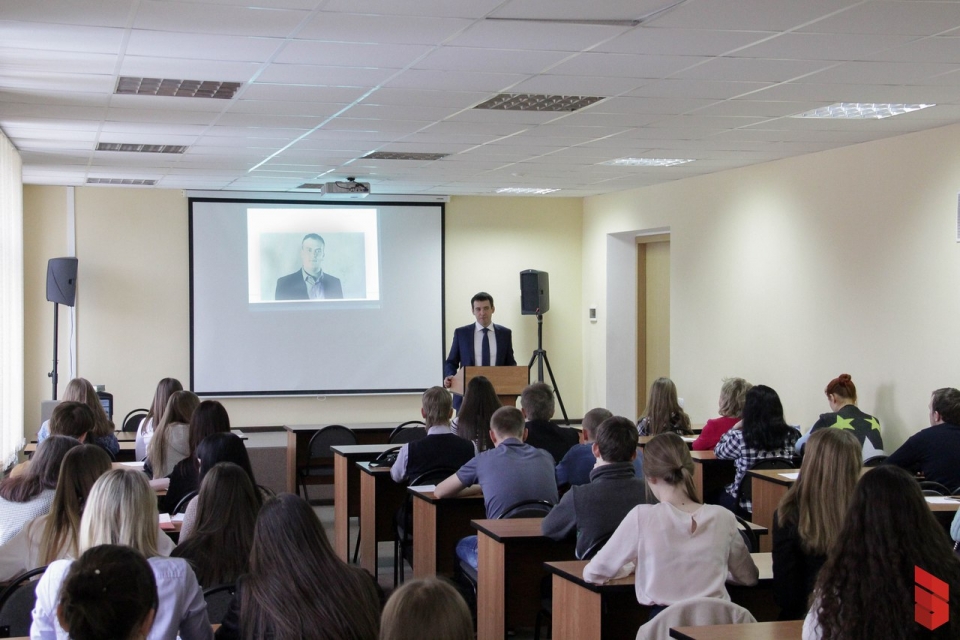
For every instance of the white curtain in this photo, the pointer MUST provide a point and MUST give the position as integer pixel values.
(11, 302)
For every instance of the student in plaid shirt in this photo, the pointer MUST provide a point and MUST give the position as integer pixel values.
(763, 434)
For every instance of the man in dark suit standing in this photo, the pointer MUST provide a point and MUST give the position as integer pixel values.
(310, 282)
(479, 344)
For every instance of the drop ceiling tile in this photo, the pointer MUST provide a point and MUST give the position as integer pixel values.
(752, 70)
(53, 97)
(576, 85)
(756, 108)
(191, 17)
(188, 69)
(891, 18)
(129, 131)
(413, 97)
(286, 108)
(938, 49)
(13, 123)
(490, 129)
(625, 66)
(515, 117)
(302, 93)
(533, 36)
(822, 46)
(347, 54)
(20, 132)
(255, 133)
(50, 111)
(30, 60)
(163, 44)
(325, 76)
(674, 88)
(160, 117)
(447, 137)
(349, 27)
(655, 40)
(167, 103)
(449, 58)
(830, 93)
(49, 81)
(469, 81)
(441, 8)
(275, 121)
(106, 13)
(398, 112)
(883, 73)
(615, 120)
(389, 127)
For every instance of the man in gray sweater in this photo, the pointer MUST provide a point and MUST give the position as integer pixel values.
(594, 510)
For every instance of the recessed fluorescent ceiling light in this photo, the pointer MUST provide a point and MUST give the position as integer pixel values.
(533, 102)
(526, 191)
(143, 182)
(141, 148)
(398, 155)
(647, 162)
(130, 85)
(861, 110)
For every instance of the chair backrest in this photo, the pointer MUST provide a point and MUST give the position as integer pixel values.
(330, 436)
(749, 536)
(218, 601)
(931, 488)
(389, 456)
(526, 509)
(16, 604)
(182, 505)
(745, 490)
(695, 612)
(874, 461)
(408, 432)
(596, 546)
(131, 422)
(434, 476)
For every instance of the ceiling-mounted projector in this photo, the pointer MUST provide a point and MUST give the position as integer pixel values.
(349, 190)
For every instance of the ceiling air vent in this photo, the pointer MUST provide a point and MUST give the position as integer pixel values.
(141, 148)
(533, 102)
(397, 155)
(137, 182)
(128, 85)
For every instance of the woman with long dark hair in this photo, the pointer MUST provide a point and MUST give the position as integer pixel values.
(165, 388)
(765, 434)
(297, 587)
(473, 420)
(209, 418)
(663, 412)
(866, 588)
(170, 442)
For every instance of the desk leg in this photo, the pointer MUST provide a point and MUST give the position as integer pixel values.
(491, 600)
(576, 612)
(368, 523)
(766, 497)
(291, 462)
(424, 538)
(341, 508)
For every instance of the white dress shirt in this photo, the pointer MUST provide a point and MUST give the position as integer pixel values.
(478, 345)
(399, 469)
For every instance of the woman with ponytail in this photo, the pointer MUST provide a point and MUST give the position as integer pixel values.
(845, 414)
(679, 548)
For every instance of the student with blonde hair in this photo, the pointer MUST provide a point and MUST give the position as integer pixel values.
(810, 516)
(54, 536)
(733, 394)
(171, 438)
(122, 510)
(102, 435)
(663, 412)
(679, 548)
(165, 388)
(425, 609)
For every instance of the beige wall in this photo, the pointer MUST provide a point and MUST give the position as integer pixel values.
(792, 272)
(133, 295)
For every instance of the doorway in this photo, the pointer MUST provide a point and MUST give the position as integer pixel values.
(653, 313)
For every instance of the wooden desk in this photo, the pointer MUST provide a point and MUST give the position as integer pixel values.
(438, 524)
(782, 630)
(127, 453)
(642, 442)
(298, 437)
(585, 611)
(380, 497)
(512, 553)
(346, 489)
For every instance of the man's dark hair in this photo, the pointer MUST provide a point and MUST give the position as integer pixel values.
(591, 420)
(313, 236)
(72, 419)
(537, 401)
(946, 402)
(617, 439)
(483, 296)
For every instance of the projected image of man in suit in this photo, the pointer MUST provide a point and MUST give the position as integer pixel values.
(310, 282)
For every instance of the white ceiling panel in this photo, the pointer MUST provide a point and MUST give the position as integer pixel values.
(104, 13)
(398, 112)
(576, 85)
(616, 120)
(441, 8)
(302, 93)
(276, 121)
(534, 36)
(325, 76)
(886, 73)
(756, 108)
(349, 27)
(413, 97)
(49, 81)
(655, 40)
(162, 44)
(675, 88)
(168, 103)
(577, 10)
(191, 17)
(52, 97)
(491, 60)
(283, 108)
(470, 81)
(858, 93)
(347, 54)
(188, 69)
(891, 18)
(626, 66)
(30, 60)
(927, 50)
(753, 70)
(749, 15)
(160, 117)
(823, 46)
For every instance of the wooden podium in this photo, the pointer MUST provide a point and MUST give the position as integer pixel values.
(507, 381)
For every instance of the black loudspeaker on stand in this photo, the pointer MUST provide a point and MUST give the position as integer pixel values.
(61, 289)
(535, 300)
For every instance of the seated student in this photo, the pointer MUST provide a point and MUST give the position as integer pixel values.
(209, 417)
(536, 403)
(935, 451)
(441, 448)
(171, 437)
(844, 414)
(576, 466)
(165, 388)
(426, 609)
(679, 548)
(73, 419)
(810, 516)
(663, 412)
(480, 400)
(102, 435)
(54, 536)
(219, 546)
(109, 592)
(888, 534)
(30, 494)
(122, 509)
(297, 586)
(509, 473)
(765, 434)
(733, 393)
(593, 511)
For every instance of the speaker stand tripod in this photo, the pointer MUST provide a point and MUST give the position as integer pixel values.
(56, 333)
(540, 357)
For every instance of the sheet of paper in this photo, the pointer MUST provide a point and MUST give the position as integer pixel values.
(133, 465)
(423, 488)
(165, 519)
(790, 475)
(940, 500)
(177, 518)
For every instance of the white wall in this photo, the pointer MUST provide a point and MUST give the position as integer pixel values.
(792, 272)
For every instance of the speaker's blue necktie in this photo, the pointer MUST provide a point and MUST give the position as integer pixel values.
(485, 348)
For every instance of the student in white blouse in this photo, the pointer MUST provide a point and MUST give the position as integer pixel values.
(171, 437)
(122, 509)
(679, 548)
(165, 388)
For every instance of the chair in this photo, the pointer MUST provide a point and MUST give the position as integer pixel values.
(746, 485)
(874, 461)
(407, 432)
(182, 505)
(695, 612)
(387, 458)
(218, 601)
(16, 604)
(526, 509)
(749, 536)
(403, 521)
(132, 420)
(319, 467)
(931, 488)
